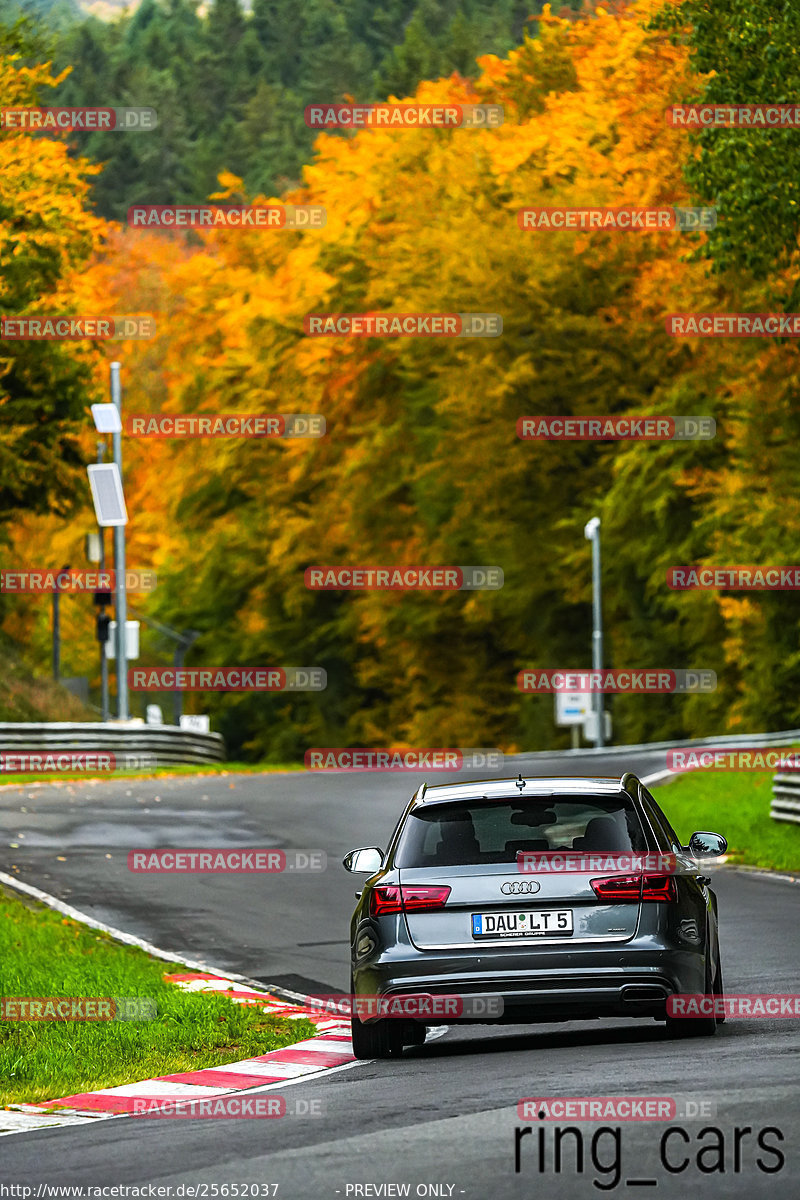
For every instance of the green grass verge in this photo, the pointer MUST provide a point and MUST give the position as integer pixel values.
(735, 804)
(43, 953)
(9, 780)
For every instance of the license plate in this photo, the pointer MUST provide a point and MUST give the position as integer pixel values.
(549, 922)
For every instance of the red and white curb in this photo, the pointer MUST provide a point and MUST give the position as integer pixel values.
(329, 1049)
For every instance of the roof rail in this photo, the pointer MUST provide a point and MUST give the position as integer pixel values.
(623, 783)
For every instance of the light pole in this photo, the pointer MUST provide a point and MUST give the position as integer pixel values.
(96, 552)
(591, 532)
(102, 637)
(105, 480)
(120, 599)
(57, 628)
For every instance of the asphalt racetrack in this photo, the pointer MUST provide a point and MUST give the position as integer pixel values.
(441, 1121)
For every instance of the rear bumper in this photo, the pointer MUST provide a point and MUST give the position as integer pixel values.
(619, 982)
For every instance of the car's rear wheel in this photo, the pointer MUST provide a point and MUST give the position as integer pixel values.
(719, 989)
(689, 1027)
(415, 1034)
(379, 1039)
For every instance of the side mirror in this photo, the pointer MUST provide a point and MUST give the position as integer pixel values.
(707, 845)
(368, 859)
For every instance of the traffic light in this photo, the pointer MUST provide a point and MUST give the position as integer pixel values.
(103, 623)
(102, 599)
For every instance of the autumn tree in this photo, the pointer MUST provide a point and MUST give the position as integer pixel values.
(47, 234)
(422, 464)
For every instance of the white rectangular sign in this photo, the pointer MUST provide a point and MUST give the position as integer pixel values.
(107, 495)
(572, 708)
(131, 640)
(196, 722)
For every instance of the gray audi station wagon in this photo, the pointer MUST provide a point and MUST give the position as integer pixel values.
(477, 899)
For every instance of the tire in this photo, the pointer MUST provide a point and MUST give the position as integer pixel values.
(379, 1039)
(719, 987)
(415, 1034)
(691, 1027)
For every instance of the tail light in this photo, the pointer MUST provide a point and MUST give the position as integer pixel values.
(417, 898)
(630, 888)
(391, 898)
(385, 899)
(660, 887)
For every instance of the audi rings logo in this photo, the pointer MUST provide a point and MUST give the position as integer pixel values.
(520, 887)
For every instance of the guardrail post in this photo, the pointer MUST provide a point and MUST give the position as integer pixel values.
(785, 798)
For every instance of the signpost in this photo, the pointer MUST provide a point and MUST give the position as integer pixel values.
(596, 729)
(105, 481)
(573, 708)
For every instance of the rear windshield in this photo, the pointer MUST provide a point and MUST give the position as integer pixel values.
(495, 831)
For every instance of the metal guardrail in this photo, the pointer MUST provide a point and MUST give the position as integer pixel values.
(783, 737)
(785, 798)
(171, 745)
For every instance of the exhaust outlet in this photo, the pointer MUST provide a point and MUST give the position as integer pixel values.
(643, 993)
